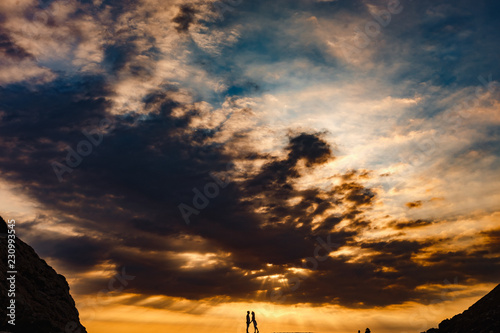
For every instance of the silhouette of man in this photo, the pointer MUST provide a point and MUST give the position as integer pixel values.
(367, 330)
(255, 329)
(248, 319)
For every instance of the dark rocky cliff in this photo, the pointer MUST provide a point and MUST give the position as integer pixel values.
(482, 317)
(43, 301)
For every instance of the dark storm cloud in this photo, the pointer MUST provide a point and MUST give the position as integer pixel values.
(79, 253)
(43, 123)
(125, 195)
(126, 191)
(184, 18)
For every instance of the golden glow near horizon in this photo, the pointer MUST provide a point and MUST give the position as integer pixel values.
(230, 317)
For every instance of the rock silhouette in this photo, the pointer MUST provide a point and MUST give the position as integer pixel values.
(43, 302)
(482, 317)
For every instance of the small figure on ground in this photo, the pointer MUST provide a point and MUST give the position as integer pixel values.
(255, 329)
(248, 320)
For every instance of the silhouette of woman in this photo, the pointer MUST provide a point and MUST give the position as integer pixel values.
(255, 329)
(248, 319)
(367, 330)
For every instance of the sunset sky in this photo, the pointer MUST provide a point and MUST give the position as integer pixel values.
(331, 165)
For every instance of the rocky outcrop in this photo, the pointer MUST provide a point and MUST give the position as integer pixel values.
(42, 299)
(482, 317)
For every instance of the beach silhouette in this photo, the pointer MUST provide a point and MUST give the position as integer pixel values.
(253, 320)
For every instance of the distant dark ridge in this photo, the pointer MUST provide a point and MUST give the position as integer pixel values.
(482, 317)
(43, 302)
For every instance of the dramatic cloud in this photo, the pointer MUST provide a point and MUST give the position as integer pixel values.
(228, 156)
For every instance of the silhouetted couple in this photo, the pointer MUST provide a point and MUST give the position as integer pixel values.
(255, 329)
